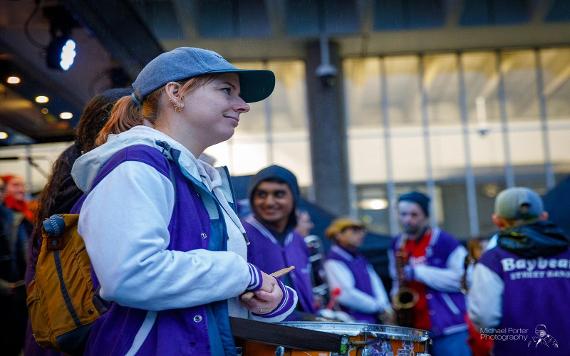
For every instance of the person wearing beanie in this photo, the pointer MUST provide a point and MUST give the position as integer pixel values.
(522, 283)
(431, 264)
(362, 294)
(165, 243)
(274, 243)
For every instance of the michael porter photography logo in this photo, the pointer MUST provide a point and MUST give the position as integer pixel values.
(540, 340)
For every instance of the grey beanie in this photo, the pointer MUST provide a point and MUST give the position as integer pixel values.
(187, 62)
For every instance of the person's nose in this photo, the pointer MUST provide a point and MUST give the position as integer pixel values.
(240, 106)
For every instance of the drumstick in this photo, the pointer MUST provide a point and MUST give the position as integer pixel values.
(283, 271)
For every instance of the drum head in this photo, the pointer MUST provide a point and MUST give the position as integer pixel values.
(354, 329)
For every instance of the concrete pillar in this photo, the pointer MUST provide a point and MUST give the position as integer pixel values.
(327, 128)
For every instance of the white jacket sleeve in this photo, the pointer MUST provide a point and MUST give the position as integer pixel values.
(124, 222)
(379, 290)
(484, 301)
(339, 276)
(443, 279)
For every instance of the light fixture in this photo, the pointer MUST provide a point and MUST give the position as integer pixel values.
(42, 99)
(44, 111)
(373, 204)
(66, 115)
(61, 51)
(3, 135)
(13, 80)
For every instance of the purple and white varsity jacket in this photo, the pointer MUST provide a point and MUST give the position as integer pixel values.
(512, 296)
(441, 272)
(362, 293)
(147, 237)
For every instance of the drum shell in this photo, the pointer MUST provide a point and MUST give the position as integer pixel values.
(393, 340)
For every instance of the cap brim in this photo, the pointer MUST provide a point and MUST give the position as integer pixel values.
(255, 85)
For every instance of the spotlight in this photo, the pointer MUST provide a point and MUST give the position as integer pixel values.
(3, 135)
(61, 53)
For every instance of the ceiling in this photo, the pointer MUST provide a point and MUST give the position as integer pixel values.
(115, 38)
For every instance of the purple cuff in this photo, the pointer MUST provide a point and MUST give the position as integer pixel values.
(285, 305)
(255, 278)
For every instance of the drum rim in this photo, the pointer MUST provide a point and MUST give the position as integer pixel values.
(390, 332)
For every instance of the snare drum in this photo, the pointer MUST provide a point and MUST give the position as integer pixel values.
(361, 339)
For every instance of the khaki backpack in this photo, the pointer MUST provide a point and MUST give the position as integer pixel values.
(62, 300)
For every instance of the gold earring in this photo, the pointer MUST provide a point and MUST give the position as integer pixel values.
(177, 107)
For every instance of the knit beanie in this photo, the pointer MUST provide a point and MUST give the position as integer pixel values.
(419, 198)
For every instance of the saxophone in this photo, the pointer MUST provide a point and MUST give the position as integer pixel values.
(406, 298)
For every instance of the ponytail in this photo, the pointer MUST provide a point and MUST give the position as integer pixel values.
(123, 116)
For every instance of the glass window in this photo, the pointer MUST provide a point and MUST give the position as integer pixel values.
(373, 207)
(441, 86)
(556, 78)
(288, 106)
(362, 92)
(481, 83)
(519, 73)
(403, 91)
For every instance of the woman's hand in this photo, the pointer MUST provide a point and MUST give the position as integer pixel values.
(265, 299)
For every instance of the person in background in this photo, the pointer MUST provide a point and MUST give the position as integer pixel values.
(362, 293)
(522, 283)
(17, 219)
(304, 223)
(432, 268)
(166, 246)
(60, 192)
(274, 243)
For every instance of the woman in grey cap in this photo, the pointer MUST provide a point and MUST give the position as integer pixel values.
(166, 246)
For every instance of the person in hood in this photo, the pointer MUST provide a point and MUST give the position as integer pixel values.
(274, 243)
(166, 246)
(524, 281)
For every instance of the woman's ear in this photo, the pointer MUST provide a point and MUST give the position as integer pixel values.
(172, 90)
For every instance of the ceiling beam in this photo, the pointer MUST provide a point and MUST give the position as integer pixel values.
(120, 29)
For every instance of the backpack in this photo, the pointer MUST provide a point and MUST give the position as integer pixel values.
(62, 300)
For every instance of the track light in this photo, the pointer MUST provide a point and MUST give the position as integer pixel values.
(61, 53)
(62, 49)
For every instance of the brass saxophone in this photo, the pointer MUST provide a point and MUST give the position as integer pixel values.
(406, 298)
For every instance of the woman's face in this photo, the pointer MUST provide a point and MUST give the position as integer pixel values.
(213, 110)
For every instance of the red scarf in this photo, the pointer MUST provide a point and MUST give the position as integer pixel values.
(20, 206)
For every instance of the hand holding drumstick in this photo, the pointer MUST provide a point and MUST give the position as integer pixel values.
(268, 297)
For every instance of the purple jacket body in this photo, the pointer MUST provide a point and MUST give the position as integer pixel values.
(268, 255)
(358, 266)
